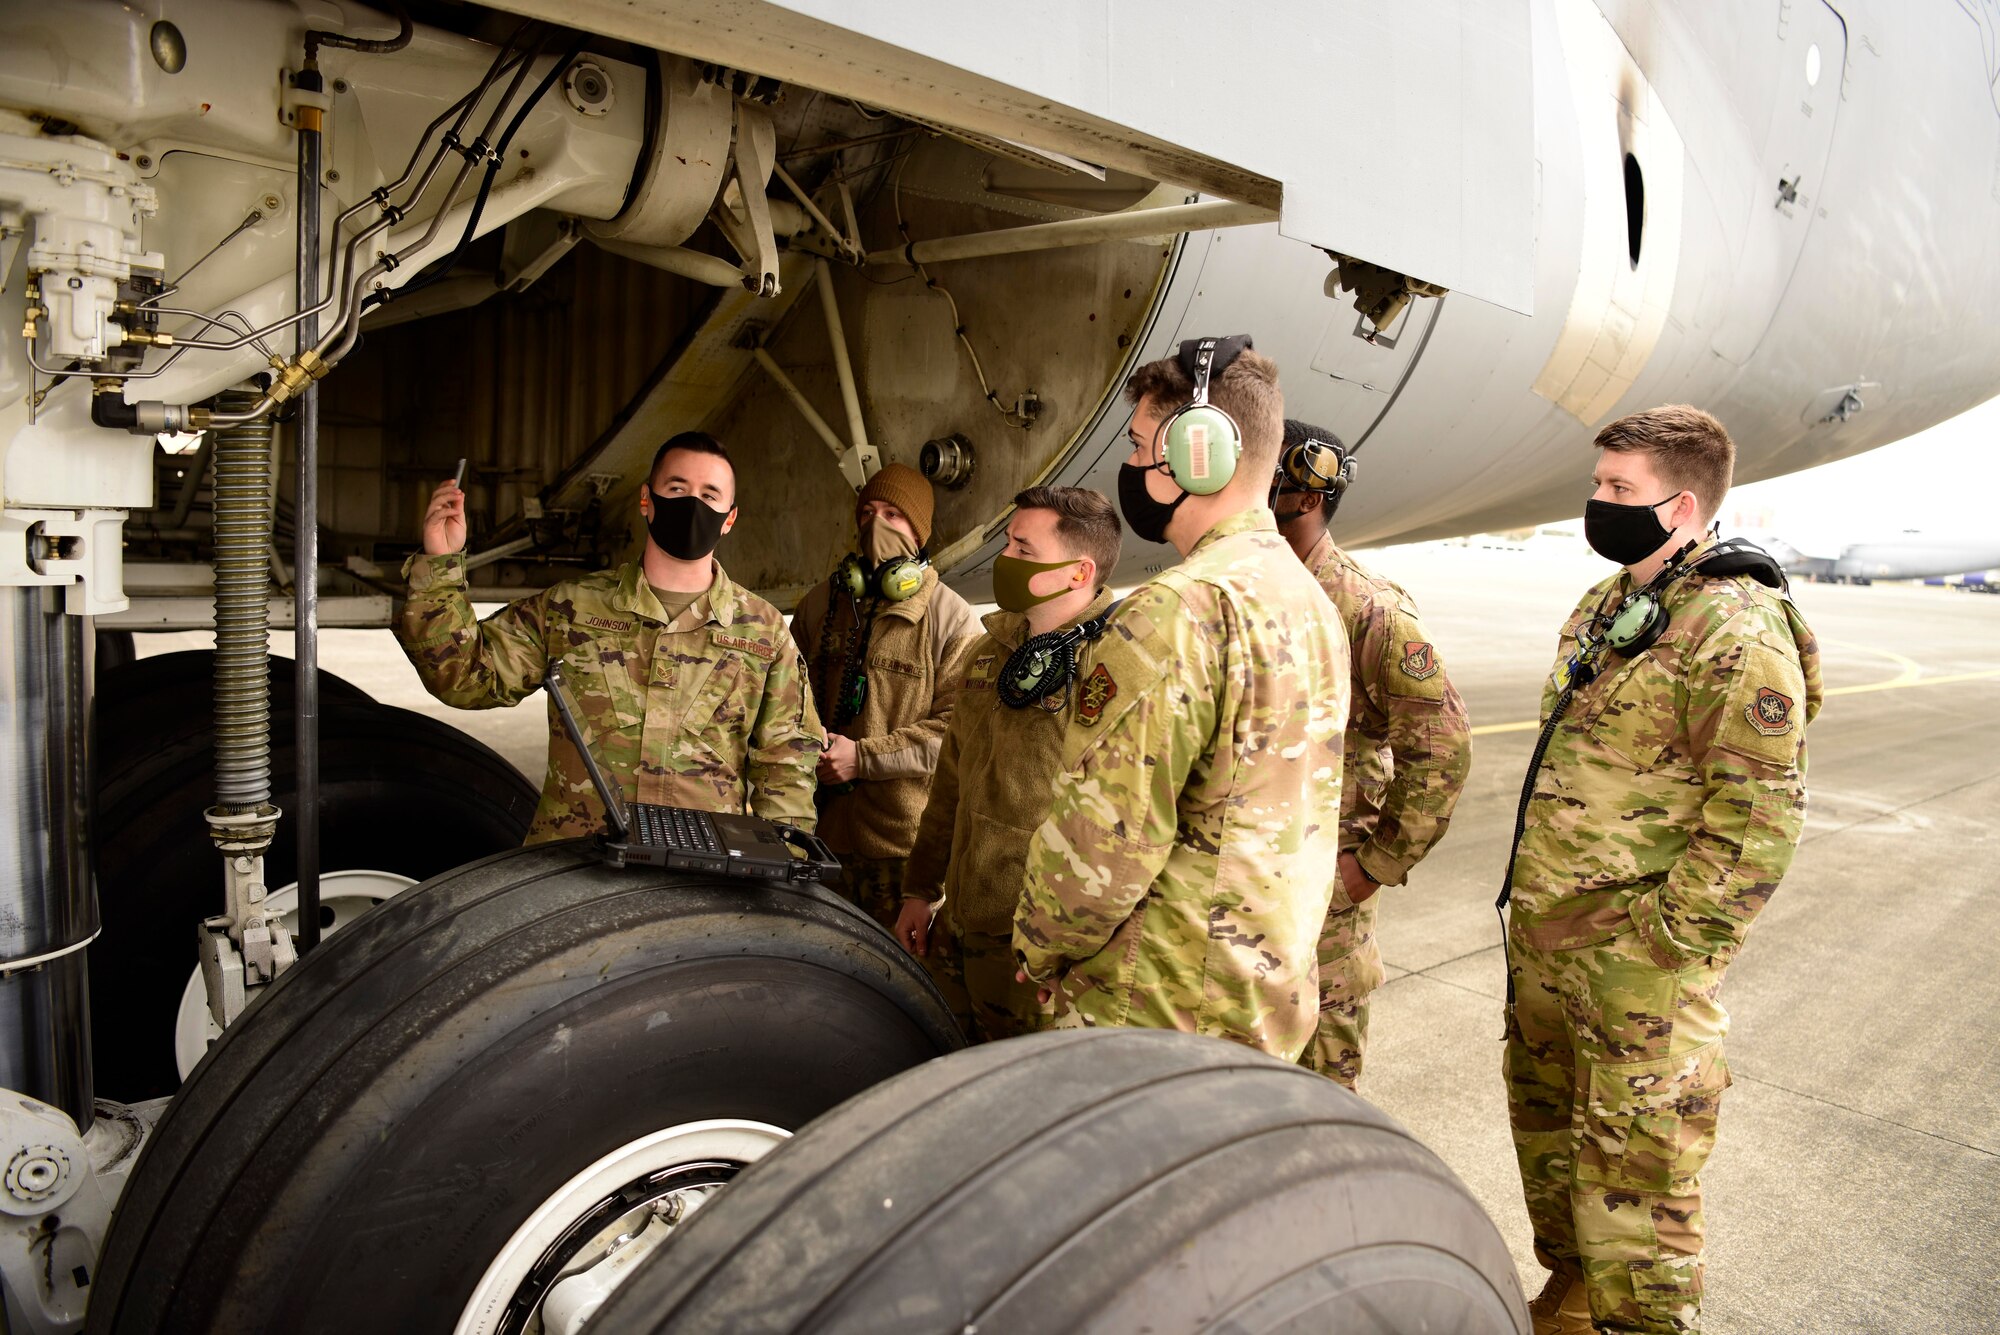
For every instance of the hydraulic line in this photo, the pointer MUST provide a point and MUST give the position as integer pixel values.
(305, 550)
(494, 162)
(242, 462)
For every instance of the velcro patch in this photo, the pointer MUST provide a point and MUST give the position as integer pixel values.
(755, 648)
(1412, 669)
(1099, 690)
(604, 623)
(1764, 714)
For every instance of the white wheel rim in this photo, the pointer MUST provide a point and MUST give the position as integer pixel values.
(347, 894)
(725, 1141)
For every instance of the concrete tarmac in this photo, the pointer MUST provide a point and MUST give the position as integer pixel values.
(1856, 1182)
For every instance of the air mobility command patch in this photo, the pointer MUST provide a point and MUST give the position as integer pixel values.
(1761, 715)
(1770, 713)
(1099, 690)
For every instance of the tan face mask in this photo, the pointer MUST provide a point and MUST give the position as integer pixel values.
(882, 542)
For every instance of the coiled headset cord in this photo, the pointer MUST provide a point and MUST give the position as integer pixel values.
(1521, 819)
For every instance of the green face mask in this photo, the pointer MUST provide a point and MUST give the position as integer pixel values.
(1010, 582)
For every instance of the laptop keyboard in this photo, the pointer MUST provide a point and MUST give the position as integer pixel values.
(675, 828)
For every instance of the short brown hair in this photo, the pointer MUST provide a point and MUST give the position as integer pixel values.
(699, 442)
(1085, 519)
(1247, 389)
(1689, 449)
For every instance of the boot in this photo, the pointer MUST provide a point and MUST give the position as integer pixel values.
(1563, 1306)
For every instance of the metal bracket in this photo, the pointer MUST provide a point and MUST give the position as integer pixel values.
(294, 101)
(77, 549)
(755, 156)
(57, 1188)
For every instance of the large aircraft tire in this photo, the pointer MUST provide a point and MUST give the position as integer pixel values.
(1106, 1180)
(386, 1124)
(399, 792)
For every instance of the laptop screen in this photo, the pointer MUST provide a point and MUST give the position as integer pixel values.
(607, 792)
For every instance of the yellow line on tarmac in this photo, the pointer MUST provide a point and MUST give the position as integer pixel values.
(1905, 679)
(1898, 683)
(1491, 728)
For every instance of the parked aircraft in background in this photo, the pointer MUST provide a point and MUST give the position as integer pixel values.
(324, 252)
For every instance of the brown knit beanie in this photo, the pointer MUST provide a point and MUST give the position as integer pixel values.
(906, 489)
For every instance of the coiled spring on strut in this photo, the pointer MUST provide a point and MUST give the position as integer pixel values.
(242, 458)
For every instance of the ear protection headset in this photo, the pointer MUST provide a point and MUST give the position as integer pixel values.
(1322, 467)
(1641, 618)
(1047, 662)
(893, 581)
(1201, 442)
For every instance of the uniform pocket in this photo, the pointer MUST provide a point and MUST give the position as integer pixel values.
(723, 708)
(600, 677)
(1649, 1126)
(1640, 718)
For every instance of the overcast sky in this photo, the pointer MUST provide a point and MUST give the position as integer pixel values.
(1944, 481)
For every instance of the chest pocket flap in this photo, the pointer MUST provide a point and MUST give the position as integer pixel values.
(1637, 713)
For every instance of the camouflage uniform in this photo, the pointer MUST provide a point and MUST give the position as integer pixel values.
(1663, 816)
(991, 790)
(915, 656)
(708, 710)
(1185, 869)
(1407, 751)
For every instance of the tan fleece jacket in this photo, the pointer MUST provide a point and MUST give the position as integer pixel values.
(916, 657)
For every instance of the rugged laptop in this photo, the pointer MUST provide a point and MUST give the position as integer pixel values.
(684, 839)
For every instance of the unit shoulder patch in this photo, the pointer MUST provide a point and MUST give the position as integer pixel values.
(1419, 660)
(1411, 667)
(1099, 689)
(1763, 714)
(1770, 713)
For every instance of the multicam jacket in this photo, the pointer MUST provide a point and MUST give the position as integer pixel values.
(1409, 744)
(994, 781)
(709, 710)
(1182, 876)
(1408, 748)
(1673, 791)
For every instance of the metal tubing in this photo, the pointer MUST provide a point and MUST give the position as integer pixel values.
(850, 395)
(799, 401)
(305, 557)
(1205, 216)
(504, 550)
(839, 238)
(48, 905)
(697, 265)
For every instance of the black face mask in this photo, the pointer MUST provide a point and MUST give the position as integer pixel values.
(1146, 517)
(1625, 533)
(685, 527)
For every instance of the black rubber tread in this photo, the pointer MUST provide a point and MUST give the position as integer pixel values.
(1090, 1180)
(356, 1148)
(399, 792)
(151, 713)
